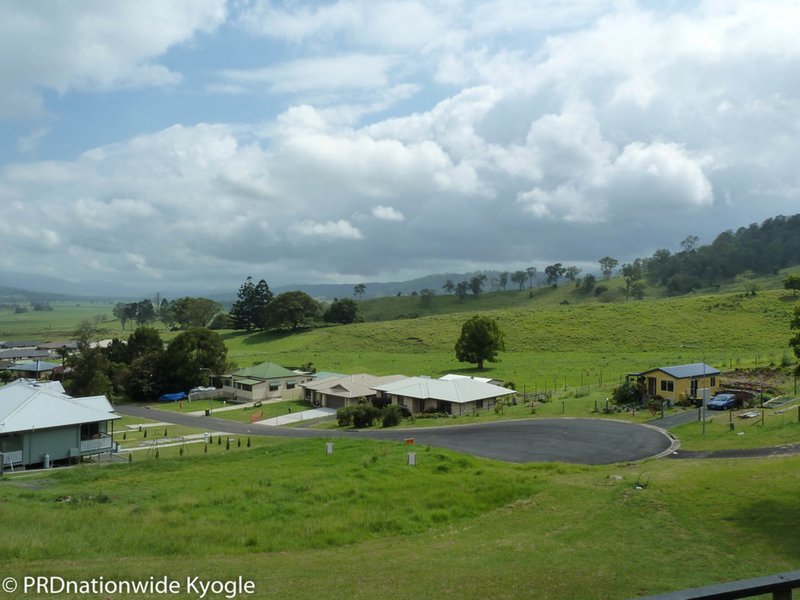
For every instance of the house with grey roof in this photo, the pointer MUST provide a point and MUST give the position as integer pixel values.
(454, 396)
(265, 381)
(344, 390)
(38, 369)
(40, 423)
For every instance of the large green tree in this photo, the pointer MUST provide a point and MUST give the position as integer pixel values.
(480, 340)
(194, 312)
(247, 311)
(792, 282)
(607, 266)
(342, 311)
(794, 342)
(191, 357)
(290, 310)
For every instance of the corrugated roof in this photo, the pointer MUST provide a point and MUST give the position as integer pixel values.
(266, 370)
(690, 370)
(459, 391)
(36, 366)
(26, 405)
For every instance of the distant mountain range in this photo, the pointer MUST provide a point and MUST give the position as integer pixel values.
(26, 287)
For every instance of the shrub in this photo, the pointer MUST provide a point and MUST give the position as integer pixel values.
(392, 415)
(344, 416)
(364, 415)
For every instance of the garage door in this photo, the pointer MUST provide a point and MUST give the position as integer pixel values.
(334, 402)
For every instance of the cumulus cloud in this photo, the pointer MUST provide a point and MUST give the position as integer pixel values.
(340, 229)
(502, 134)
(387, 213)
(97, 45)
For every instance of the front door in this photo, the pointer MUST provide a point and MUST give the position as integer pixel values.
(651, 386)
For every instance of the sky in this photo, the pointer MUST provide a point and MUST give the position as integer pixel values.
(165, 144)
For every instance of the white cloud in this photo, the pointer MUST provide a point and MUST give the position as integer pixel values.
(340, 229)
(387, 213)
(539, 128)
(92, 45)
(329, 73)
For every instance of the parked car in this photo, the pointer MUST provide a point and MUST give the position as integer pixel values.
(722, 402)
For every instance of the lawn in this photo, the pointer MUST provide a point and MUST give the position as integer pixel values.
(779, 427)
(304, 524)
(265, 411)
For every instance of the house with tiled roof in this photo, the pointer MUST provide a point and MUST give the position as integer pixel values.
(344, 390)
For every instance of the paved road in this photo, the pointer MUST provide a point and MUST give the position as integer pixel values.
(582, 441)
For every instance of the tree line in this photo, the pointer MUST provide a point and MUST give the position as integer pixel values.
(143, 367)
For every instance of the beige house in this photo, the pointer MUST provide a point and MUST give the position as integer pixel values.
(680, 382)
(454, 396)
(344, 390)
(266, 381)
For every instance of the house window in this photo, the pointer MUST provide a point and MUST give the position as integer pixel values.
(667, 386)
(274, 387)
(90, 431)
(713, 381)
(290, 385)
(479, 404)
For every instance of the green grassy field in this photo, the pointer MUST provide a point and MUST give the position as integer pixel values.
(58, 324)
(550, 346)
(363, 524)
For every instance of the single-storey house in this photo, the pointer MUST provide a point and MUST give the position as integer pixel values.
(38, 369)
(24, 354)
(40, 423)
(19, 344)
(262, 382)
(452, 396)
(344, 390)
(452, 376)
(681, 382)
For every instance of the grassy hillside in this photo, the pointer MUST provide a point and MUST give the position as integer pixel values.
(580, 342)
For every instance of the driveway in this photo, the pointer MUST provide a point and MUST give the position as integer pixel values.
(581, 441)
(297, 417)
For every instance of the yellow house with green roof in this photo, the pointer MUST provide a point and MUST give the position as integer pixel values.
(266, 381)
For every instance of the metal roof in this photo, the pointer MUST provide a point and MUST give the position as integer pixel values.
(24, 353)
(36, 366)
(27, 405)
(459, 391)
(685, 371)
(266, 370)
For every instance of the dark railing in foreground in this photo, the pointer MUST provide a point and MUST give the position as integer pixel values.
(779, 585)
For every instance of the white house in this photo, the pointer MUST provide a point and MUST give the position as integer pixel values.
(454, 396)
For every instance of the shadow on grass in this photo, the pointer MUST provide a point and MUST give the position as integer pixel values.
(261, 337)
(774, 520)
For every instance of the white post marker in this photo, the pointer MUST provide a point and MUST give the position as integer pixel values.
(328, 447)
(412, 459)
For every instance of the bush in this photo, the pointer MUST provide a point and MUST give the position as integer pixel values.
(364, 415)
(392, 415)
(344, 416)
